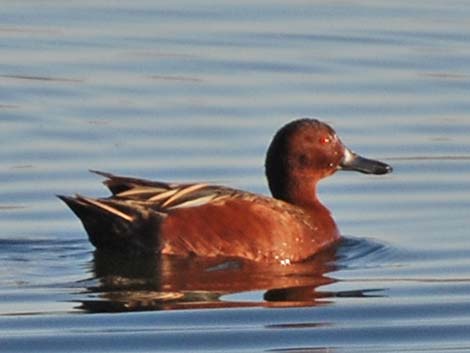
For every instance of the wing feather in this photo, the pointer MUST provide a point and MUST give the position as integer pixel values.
(160, 196)
(182, 192)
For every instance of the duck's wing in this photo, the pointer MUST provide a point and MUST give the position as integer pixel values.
(161, 196)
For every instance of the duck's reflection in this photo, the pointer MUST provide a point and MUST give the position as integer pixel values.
(130, 283)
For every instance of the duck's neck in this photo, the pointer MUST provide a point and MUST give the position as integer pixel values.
(295, 189)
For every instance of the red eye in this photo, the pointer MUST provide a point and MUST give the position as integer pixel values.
(324, 140)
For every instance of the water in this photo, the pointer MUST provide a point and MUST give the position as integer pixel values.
(194, 91)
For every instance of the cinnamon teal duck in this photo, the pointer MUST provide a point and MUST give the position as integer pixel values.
(198, 219)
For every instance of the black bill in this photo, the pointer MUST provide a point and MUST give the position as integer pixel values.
(353, 161)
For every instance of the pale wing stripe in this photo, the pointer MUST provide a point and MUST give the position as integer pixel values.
(195, 202)
(108, 208)
(141, 190)
(200, 201)
(163, 195)
(183, 192)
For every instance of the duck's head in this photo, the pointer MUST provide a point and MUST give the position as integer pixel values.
(305, 151)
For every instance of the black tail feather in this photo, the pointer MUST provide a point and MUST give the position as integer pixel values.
(109, 229)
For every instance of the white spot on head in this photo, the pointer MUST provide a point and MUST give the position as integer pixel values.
(348, 156)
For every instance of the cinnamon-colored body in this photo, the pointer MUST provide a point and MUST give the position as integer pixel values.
(252, 227)
(213, 221)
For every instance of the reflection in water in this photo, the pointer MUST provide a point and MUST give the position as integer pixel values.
(128, 283)
(131, 283)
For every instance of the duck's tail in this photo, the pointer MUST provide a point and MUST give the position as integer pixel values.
(114, 225)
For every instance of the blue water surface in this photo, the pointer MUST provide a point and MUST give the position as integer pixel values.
(195, 90)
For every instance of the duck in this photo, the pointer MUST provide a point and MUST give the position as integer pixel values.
(204, 220)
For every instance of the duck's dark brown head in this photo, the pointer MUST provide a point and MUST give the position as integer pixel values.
(305, 151)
